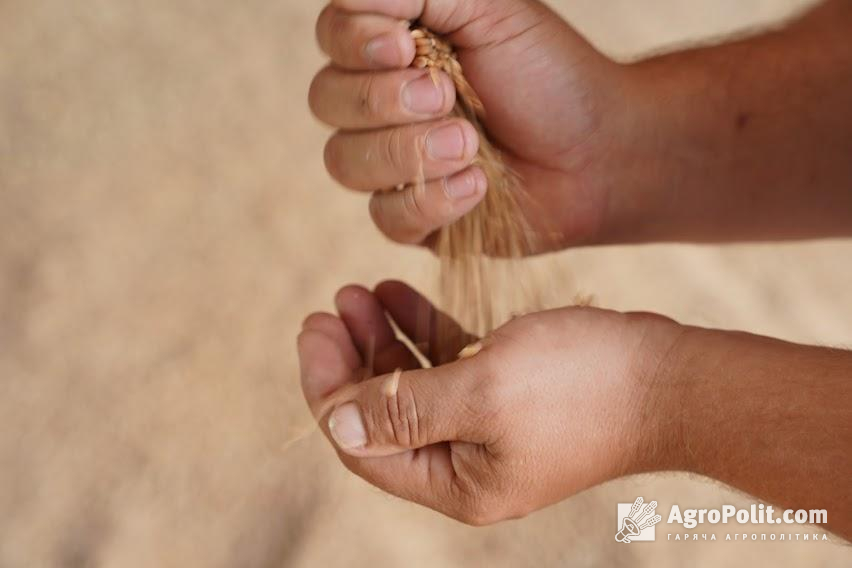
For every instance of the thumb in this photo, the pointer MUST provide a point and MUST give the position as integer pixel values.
(405, 410)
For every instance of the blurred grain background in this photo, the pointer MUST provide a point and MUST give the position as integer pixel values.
(166, 224)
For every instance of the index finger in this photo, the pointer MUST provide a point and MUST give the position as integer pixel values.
(438, 335)
(442, 16)
(364, 41)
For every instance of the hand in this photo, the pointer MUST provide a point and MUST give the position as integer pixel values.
(551, 101)
(553, 403)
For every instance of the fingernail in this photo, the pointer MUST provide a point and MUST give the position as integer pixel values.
(347, 428)
(446, 143)
(383, 50)
(462, 185)
(423, 96)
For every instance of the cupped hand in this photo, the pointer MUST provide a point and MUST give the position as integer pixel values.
(552, 104)
(553, 403)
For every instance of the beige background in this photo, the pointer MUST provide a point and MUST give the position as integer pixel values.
(166, 223)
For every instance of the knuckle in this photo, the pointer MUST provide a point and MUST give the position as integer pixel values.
(330, 157)
(327, 27)
(335, 30)
(333, 158)
(315, 94)
(302, 338)
(389, 214)
(393, 151)
(413, 205)
(397, 420)
(379, 215)
(485, 407)
(489, 394)
(370, 103)
(527, 329)
(322, 25)
(338, 23)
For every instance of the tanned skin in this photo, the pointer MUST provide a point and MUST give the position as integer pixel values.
(746, 140)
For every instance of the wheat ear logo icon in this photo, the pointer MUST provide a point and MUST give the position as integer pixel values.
(636, 521)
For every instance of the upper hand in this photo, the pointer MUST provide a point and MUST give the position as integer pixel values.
(548, 94)
(552, 404)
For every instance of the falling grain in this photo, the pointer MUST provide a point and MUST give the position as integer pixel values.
(480, 281)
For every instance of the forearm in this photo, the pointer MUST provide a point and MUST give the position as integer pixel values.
(750, 140)
(770, 418)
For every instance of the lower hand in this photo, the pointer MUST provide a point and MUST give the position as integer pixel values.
(553, 403)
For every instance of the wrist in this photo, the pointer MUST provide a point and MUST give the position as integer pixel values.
(667, 141)
(663, 397)
(706, 390)
(720, 143)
